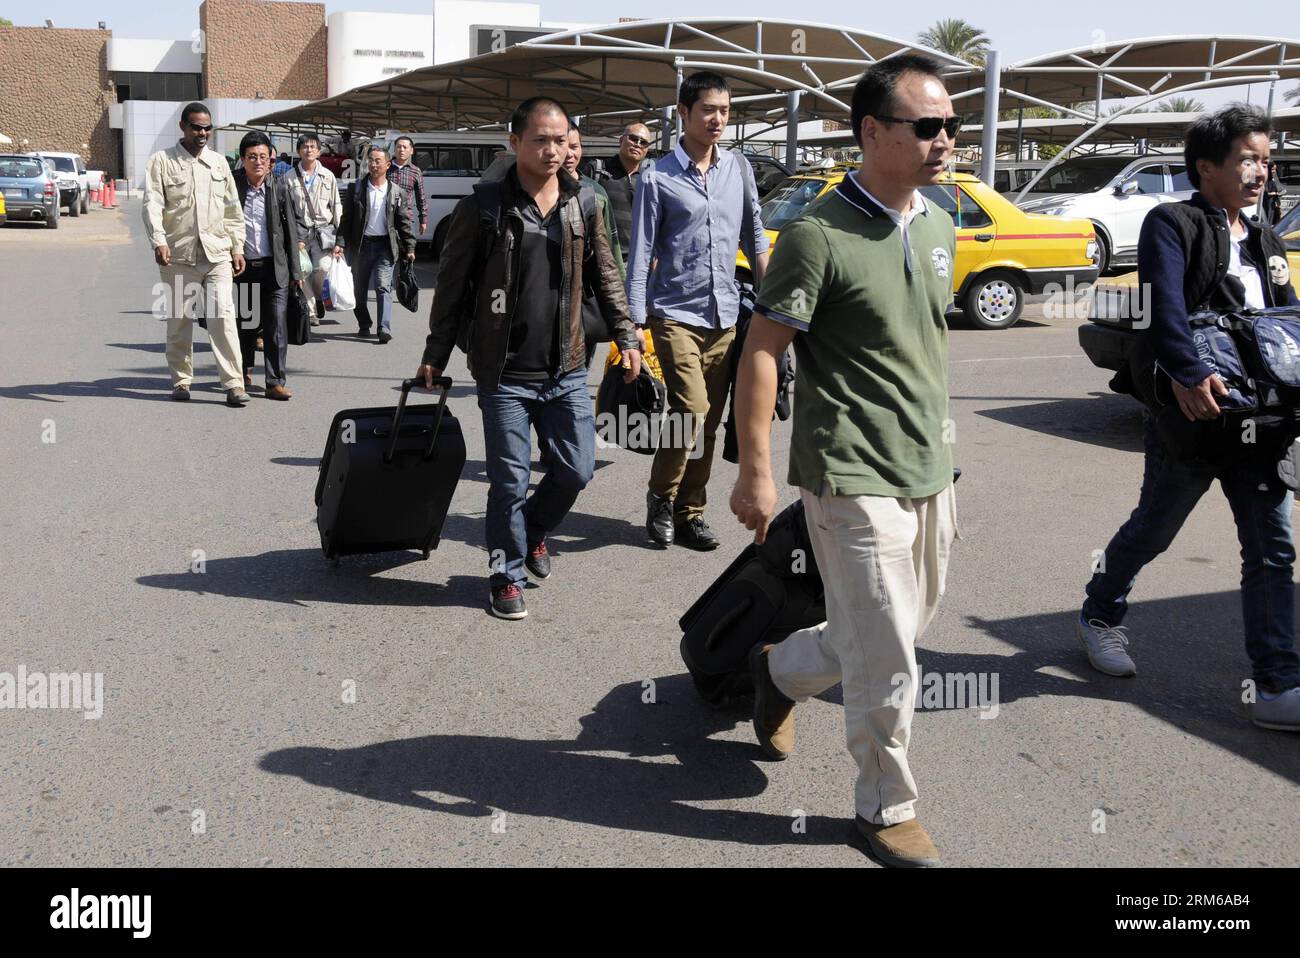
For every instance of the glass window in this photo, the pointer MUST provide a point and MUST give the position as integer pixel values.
(1180, 180)
(1289, 229)
(1150, 179)
(1084, 174)
(1002, 181)
(957, 203)
(788, 200)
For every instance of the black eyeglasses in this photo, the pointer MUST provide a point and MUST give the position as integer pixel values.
(927, 127)
(201, 129)
(637, 140)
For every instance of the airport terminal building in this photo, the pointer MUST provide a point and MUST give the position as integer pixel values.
(118, 99)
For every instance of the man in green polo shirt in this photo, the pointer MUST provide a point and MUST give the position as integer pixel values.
(860, 282)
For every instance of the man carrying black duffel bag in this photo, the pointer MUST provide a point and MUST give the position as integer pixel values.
(1196, 255)
(509, 290)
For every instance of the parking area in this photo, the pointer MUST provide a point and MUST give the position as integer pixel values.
(374, 713)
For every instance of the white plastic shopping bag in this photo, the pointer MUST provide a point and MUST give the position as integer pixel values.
(340, 293)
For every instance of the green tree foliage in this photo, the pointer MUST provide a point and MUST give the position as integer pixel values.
(957, 38)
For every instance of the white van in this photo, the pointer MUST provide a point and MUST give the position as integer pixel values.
(453, 161)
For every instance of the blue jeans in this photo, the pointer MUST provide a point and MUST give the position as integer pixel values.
(560, 410)
(374, 260)
(1261, 507)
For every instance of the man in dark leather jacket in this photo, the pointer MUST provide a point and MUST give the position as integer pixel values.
(1205, 253)
(509, 291)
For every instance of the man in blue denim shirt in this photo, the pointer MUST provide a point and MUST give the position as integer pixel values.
(688, 219)
(1190, 255)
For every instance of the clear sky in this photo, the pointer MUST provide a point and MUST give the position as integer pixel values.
(1018, 28)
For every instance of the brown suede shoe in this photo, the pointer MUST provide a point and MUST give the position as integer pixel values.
(278, 392)
(773, 712)
(905, 845)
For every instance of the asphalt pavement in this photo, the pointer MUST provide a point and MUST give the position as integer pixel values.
(261, 706)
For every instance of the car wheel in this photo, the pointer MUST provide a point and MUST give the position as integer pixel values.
(85, 202)
(995, 300)
(52, 221)
(74, 208)
(1103, 254)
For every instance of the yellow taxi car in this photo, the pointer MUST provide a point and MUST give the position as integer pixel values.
(3, 215)
(1003, 254)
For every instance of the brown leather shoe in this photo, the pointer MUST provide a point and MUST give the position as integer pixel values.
(248, 379)
(905, 845)
(278, 392)
(773, 712)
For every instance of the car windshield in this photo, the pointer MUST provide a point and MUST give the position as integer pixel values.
(1289, 229)
(788, 200)
(1083, 174)
(63, 164)
(23, 169)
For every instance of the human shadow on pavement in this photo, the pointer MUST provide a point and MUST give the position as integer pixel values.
(157, 389)
(1191, 662)
(160, 348)
(579, 532)
(301, 576)
(1101, 419)
(476, 776)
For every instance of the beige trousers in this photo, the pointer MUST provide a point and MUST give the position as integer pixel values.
(204, 289)
(883, 563)
(696, 372)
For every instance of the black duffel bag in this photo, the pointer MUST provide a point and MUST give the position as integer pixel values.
(630, 414)
(299, 317)
(1256, 353)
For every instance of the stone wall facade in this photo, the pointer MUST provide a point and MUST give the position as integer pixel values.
(263, 47)
(55, 93)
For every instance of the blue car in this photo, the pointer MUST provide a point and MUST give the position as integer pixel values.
(30, 187)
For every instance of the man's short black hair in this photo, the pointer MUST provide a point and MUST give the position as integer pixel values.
(255, 138)
(407, 139)
(305, 139)
(573, 127)
(874, 92)
(377, 148)
(524, 112)
(1210, 137)
(191, 108)
(702, 82)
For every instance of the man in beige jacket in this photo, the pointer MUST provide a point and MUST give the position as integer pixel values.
(319, 209)
(195, 224)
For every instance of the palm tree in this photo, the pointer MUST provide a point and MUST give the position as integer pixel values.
(957, 38)
(1180, 104)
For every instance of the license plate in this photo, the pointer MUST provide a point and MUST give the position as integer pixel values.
(17, 193)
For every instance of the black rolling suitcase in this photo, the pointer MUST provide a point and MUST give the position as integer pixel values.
(387, 476)
(767, 593)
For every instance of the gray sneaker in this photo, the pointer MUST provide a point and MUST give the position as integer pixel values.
(1105, 645)
(1282, 712)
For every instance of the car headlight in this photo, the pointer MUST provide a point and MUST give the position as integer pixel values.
(1091, 250)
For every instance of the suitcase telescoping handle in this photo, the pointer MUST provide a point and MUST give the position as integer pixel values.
(441, 382)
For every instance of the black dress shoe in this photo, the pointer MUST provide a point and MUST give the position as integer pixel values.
(659, 519)
(363, 332)
(695, 534)
(384, 336)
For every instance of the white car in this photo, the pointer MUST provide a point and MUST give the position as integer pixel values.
(1116, 192)
(74, 186)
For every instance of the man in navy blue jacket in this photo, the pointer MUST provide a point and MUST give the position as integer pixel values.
(1201, 254)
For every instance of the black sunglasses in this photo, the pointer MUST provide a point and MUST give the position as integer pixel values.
(927, 127)
(637, 140)
(201, 129)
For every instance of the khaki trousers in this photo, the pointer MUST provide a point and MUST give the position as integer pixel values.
(208, 286)
(883, 563)
(696, 371)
